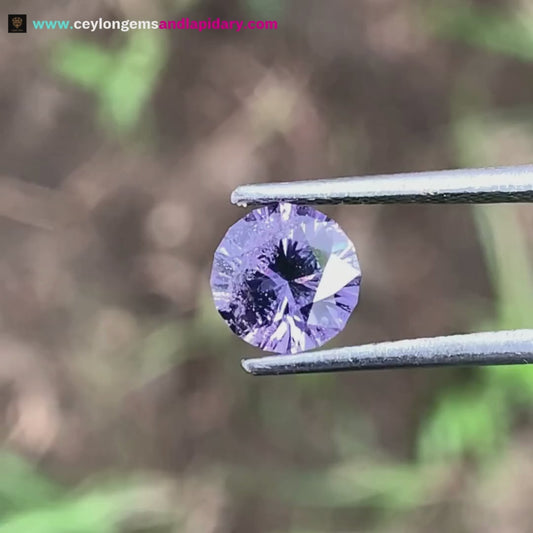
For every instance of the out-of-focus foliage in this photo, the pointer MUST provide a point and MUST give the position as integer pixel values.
(261, 10)
(492, 28)
(29, 501)
(21, 487)
(476, 418)
(122, 80)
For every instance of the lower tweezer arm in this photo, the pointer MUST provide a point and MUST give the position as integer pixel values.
(490, 348)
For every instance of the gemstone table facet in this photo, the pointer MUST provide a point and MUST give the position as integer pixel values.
(285, 278)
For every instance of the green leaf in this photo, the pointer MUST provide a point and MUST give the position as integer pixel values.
(21, 486)
(488, 28)
(99, 511)
(85, 64)
(506, 253)
(131, 82)
(395, 486)
(122, 80)
(464, 422)
(266, 9)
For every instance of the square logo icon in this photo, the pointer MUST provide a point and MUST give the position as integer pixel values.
(16, 23)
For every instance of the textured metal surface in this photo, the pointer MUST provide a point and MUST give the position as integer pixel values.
(488, 348)
(484, 185)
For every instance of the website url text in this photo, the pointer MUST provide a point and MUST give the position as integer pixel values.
(183, 24)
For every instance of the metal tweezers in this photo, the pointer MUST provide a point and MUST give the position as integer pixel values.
(470, 186)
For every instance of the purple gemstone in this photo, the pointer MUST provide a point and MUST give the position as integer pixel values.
(285, 278)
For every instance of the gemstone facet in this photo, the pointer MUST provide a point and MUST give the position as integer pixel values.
(285, 278)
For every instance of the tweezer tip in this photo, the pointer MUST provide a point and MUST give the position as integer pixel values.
(236, 196)
(247, 367)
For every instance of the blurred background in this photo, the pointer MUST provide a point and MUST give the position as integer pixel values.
(123, 407)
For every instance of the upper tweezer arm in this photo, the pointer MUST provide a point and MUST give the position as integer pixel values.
(484, 185)
(479, 185)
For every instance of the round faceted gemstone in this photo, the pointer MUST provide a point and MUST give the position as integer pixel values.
(285, 278)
